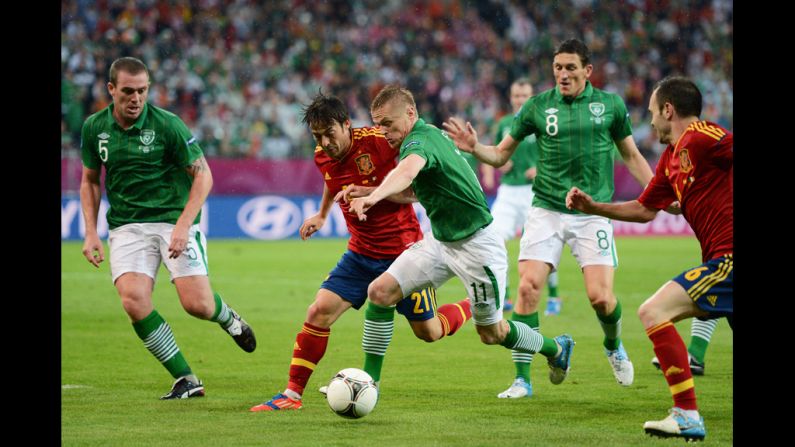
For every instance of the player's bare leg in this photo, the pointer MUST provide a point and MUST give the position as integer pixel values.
(135, 290)
(599, 288)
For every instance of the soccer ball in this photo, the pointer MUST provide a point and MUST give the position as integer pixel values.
(352, 393)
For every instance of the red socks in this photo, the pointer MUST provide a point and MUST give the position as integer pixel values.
(454, 315)
(672, 354)
(310, 345)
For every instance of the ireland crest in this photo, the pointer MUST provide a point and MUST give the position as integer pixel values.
(147, 136)
(597, 110)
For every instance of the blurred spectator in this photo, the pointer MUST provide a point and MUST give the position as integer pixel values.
(238, 71)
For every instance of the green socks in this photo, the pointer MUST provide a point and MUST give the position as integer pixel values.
(159, 340)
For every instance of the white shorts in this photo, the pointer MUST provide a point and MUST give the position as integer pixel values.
(140, 247)
(510, 209)
(481, 261)
(589, 237)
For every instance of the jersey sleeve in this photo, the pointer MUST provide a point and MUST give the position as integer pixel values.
(658, 193)
(185, 146)
(523, 125)
(416, 144)
(622, 125)
(88, 147)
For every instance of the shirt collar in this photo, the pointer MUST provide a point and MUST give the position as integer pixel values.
(586, 93)
(139, 123)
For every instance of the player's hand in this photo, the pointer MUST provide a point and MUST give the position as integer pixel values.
(93, 250)
(179, 241)
(674, 208)
(531, 173)
(463, 135)
(352, 192)
(311, 225)
(360, 206)
(578, 200)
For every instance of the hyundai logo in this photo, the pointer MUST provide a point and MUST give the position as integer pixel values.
(269, 217)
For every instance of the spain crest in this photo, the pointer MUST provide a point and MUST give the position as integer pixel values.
(147, 136)
(684, 161)
(364, 164)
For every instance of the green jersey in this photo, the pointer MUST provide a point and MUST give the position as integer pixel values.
(145, 176)
(446, 186)
(576, 143)
(471, 161)
(523, 158)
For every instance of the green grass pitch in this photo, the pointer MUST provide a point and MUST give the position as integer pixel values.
(438, 394)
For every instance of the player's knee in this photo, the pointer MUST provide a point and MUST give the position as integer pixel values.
(602, 301)
(380, 293)
(428, 336)
(319, 313)
(529, 289)
(137, 308)
(648, 314)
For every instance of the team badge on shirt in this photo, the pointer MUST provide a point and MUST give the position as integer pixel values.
(597, 109)
(364, 164)
(684, 161)
(147, 136)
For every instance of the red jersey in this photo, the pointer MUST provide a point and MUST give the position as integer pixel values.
(698, 171)
(390, 227)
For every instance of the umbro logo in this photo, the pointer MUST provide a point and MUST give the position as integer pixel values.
(551, 110)
(103, 136)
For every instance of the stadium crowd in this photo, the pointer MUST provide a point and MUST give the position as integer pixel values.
(239, 71)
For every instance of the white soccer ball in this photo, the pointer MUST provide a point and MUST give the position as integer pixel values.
(352, 393)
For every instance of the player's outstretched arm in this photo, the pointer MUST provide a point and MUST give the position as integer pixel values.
(632, 211)
(466, 139)
(463, 135)
(396, 182)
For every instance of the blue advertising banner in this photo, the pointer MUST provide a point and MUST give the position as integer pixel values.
(254, 217)
(279, 217)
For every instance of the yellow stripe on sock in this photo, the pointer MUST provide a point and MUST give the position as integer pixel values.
(681, 386)
(314, 332)
(461, 309)
(445, 324)
(304, 363)
(660, 326)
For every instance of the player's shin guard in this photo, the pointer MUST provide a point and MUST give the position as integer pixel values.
(675, 365)
(522, 360)
(379, 323)
(159, 340)
(523, 338)
(222, 314)
(611, 326)
(454, 315)
(310, 345)
(700, 335)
